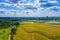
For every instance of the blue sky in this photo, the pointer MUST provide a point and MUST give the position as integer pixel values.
(58, 2)
(29, 8)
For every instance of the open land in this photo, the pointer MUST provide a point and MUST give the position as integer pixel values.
(37, 31)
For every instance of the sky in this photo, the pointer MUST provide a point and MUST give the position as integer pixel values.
(29, 8)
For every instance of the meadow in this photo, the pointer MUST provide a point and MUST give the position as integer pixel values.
(4, 33)
(37, 31)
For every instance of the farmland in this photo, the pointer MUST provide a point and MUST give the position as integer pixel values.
(37, 31)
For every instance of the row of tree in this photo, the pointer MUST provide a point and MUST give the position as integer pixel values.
(4, 23)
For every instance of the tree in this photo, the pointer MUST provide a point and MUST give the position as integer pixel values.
(17, 23)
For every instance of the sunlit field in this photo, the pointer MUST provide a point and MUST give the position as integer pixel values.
(37, 31)
(4, 33)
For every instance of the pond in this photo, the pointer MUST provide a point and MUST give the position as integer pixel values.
(39, 21)
(53, 22)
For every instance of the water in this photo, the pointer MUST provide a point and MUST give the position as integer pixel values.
(53, 22)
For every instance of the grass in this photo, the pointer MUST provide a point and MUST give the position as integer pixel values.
(4, 33)
(37, 31)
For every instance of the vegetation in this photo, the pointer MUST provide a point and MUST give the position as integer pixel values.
(37, 31)
(6, 26)
(30, 30)
(4, 33)
(4, 29)
(5, 23)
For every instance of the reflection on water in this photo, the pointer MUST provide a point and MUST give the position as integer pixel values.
(53, 22)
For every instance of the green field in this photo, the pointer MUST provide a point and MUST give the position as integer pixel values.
(4, 33)
(37, 31)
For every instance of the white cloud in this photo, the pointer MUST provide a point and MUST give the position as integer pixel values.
(5, 4)
(39, 12)
(52, 1)
(23, 13)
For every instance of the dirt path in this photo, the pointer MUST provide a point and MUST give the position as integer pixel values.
(9, 37)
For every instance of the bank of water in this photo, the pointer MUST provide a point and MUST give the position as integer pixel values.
(53, 22)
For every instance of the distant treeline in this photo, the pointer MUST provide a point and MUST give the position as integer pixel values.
(4, 23)
(8, 21)
(30, 17)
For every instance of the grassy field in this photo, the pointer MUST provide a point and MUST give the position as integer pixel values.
(4, 33)
(37, 31)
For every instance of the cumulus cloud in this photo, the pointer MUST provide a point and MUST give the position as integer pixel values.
(54, 8)
(35, 4)
(48, 3)
(5, 4)
(7, 13)
(37, 8)
(14, 1)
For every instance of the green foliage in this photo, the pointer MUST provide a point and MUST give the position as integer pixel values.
(16, 24)
(5, 23)
(13, 31)
(4, 33)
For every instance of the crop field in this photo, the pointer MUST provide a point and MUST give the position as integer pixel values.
(37, 31)
(4, 33)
